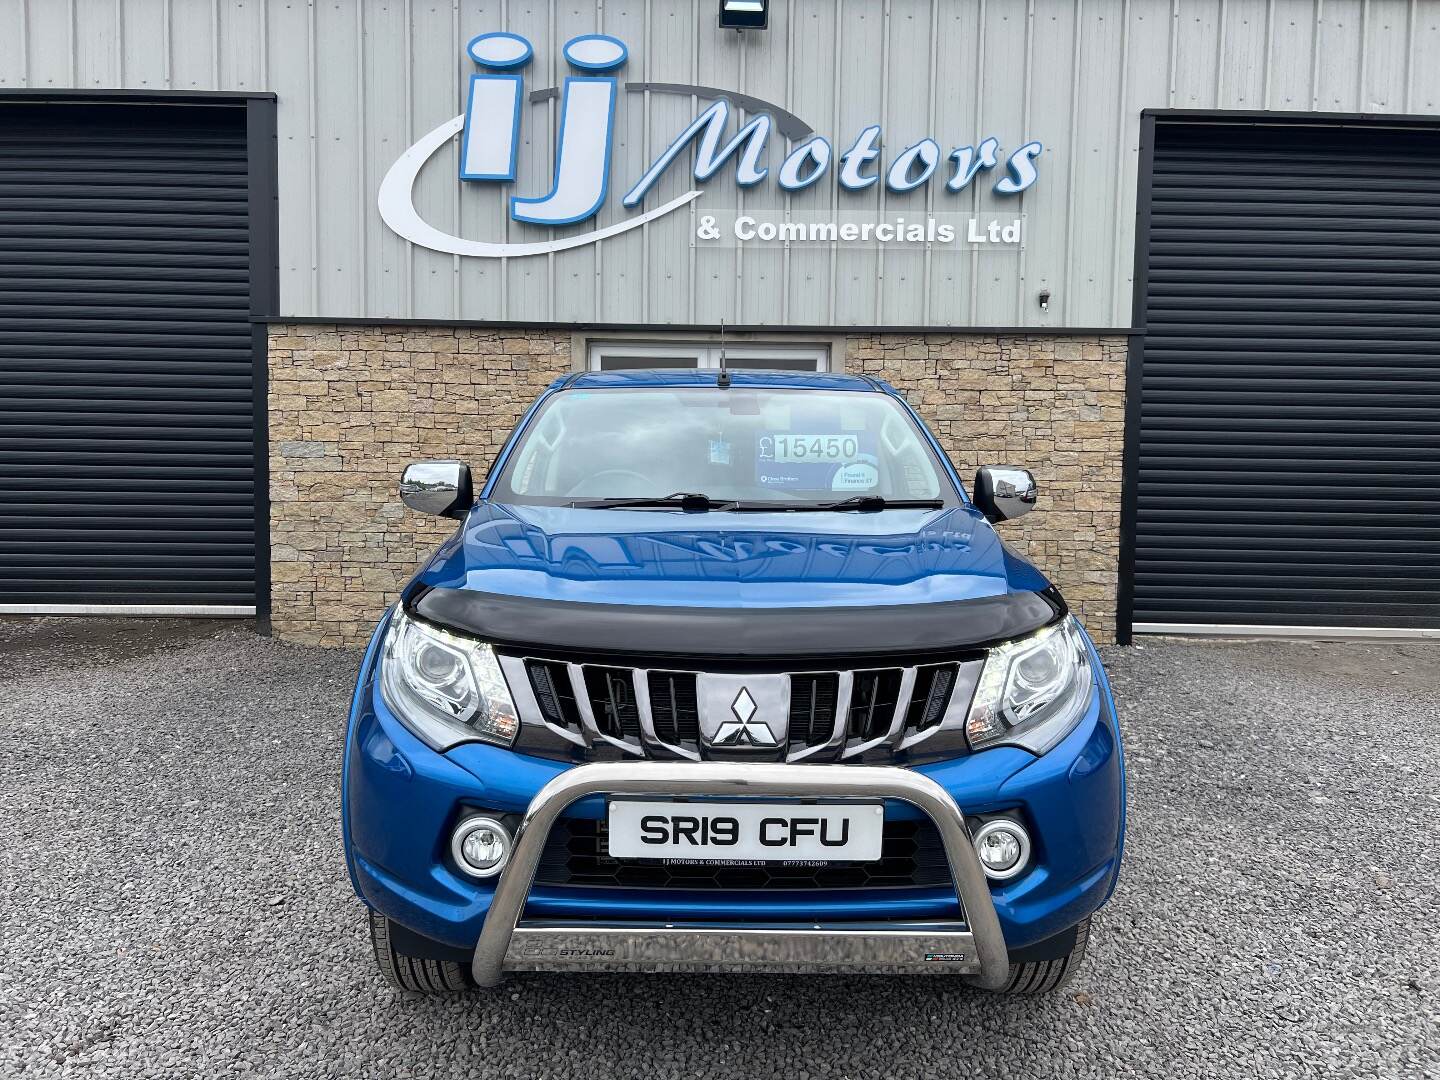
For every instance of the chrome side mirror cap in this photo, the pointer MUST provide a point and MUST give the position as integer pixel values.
(1004, 492)
(437, 487)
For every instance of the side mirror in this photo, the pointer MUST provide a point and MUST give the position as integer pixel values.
(1003, 492)
(437, 487)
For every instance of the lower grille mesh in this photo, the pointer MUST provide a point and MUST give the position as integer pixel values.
(576, 853)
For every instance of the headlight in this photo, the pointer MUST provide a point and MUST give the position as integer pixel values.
(447, 689)
(1033, 691)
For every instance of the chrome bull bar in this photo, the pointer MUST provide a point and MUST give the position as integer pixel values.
(975, 949)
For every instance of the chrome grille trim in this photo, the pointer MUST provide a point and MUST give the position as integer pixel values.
(653, 742)
(896, 737)
(957, 709)
(897, 719)
(837, 734)
(522, 692)
(587, 715)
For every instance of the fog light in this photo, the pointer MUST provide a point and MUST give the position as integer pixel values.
(481, 846)
(1003, 847)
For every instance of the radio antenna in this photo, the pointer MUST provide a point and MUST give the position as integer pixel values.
(724, 380)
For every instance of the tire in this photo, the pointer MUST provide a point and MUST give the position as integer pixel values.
(1043, 976)
(415, 974)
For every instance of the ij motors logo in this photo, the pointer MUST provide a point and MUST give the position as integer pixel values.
(496, 103)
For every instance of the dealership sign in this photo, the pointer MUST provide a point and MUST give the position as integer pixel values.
(489, 131)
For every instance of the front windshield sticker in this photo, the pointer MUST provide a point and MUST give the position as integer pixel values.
(814, 461)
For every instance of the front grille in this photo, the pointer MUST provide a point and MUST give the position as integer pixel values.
(551, 683)
(930, 696)
(586, 710)
(812, 709)
(673, 707)
(872, 703)
(576, 853)
(612, 699)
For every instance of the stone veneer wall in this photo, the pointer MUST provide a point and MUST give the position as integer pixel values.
(1055, 405)
(351, 406)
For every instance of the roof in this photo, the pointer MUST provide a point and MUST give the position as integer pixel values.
(799, 380)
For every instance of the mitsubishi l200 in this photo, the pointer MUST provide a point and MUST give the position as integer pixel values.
(729, 672)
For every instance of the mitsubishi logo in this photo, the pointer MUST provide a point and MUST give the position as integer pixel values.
(741, 714)
(744, 730)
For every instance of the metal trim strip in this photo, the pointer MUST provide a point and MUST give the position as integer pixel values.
(1375, 633)
(212, 611)
(708, 949)
(709, 328)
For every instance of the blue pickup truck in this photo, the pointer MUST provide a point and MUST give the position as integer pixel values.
(726, 672)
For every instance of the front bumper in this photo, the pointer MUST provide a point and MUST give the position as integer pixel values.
(975, 947)
(402, 799)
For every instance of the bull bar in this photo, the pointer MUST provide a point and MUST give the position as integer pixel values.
(974, 948)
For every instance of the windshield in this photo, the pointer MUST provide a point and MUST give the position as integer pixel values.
(751, 445)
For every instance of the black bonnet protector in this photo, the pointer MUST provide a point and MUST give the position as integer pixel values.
(738, 632)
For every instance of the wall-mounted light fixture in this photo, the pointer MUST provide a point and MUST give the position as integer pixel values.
(744, 14)
(1044, 299)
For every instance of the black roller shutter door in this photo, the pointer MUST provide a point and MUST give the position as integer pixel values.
(1289, 434)
(127, 442)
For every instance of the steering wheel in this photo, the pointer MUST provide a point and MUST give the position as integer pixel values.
(646, 487)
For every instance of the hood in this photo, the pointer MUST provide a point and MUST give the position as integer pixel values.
(729, 560)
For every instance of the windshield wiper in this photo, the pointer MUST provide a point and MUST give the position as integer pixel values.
(698, 502)
(691, 501)
(867, 503)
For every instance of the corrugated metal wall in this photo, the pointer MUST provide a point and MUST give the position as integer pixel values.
(359, 80)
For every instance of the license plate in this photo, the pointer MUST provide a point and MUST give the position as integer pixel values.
(743, 832)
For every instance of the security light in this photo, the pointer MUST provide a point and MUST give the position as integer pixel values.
(744, 14)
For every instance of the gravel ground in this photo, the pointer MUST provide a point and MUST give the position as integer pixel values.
(173, 901)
